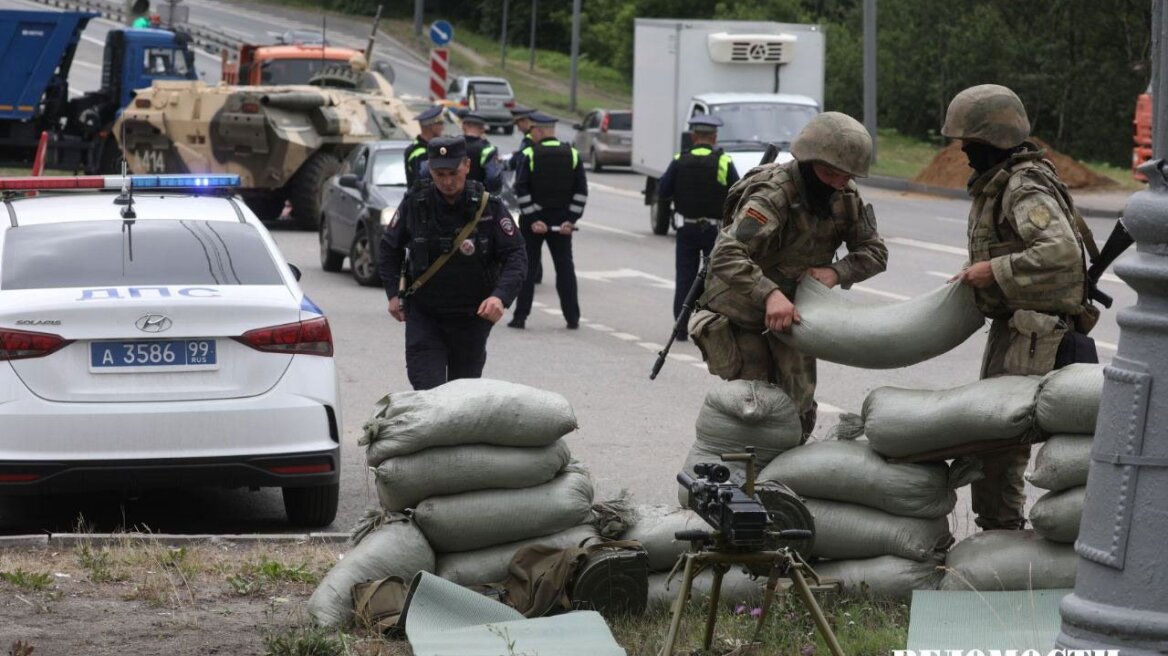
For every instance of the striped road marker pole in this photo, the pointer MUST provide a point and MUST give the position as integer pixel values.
(439, 63)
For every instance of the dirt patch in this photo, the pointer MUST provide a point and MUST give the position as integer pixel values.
(950, 168)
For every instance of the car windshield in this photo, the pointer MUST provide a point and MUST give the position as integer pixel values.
(389, 169)
(490, 88)
(620, 121)
(165, 62)
(292, 71)
(761, 123)
(98, 254)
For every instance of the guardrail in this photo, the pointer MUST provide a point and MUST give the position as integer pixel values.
(203, 36)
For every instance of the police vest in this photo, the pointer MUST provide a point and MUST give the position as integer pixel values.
(479, 151)
(415, 155)
(700, 182)
(553, 173)
(470, 274)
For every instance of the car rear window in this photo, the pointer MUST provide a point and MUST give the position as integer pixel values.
(491, 88)
(106, 254)
(620, 121)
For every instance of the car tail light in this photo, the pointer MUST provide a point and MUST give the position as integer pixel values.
(510, 104)
(19, 344)
(311, 337)
(464, 102)
(319, 468)
(604, 124)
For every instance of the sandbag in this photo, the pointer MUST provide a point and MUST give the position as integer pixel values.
(474, 520)
(396, 549)
(905, 422)
(852, 472)
(405, 480)
(1062, 462)
(1056, 516)
(654, 529)
(846, 531)
(465, 411)
(886, 577)
(835, 328)
(490, 565)
(737, 587)
(738, 414)
(1068, 399)
(1009, 560)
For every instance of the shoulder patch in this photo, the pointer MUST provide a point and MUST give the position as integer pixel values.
(507, 226)
(757, 216)
(1039, 215)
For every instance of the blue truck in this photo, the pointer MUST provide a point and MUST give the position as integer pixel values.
(37, 49)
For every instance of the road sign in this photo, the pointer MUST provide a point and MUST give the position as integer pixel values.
(441, 32)
(439, 64)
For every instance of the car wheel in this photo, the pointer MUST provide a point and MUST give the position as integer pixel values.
(659, 216)
(597, 167)
(330, 260)
(361, 261)
(314, 506)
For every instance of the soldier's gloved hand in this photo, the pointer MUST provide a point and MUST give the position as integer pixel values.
(780, 312)
(539, 228)
(978, 275)
(825, 275)
(491, 309)
(395, 308)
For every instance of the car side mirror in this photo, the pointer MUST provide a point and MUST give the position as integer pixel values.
(349, 180)
(577, 126)
(295, 271)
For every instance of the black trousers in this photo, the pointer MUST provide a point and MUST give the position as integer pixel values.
(441, 348)
(561, 250)
(692, 242)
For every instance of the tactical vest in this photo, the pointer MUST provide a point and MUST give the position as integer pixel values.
(466, 279)
(699, 186)
(480, 151)
(553, 166)
(993, 232)
(415, 155)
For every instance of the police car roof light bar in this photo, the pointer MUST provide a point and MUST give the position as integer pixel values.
(116, 182)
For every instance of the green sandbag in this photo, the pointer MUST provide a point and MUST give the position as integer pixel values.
(887, 577)
(1009, 560)
(1062, 462)
(846, 531)
(1056, 516)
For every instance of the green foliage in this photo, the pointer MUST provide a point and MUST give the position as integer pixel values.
(33, 581)
(99, 564)
(258, 577)
(306, 641)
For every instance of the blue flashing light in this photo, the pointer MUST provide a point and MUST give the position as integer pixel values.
(216, 181)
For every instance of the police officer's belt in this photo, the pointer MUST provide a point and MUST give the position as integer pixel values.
(702, 221)
(445, 257)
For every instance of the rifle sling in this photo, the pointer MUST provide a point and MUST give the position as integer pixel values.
(445, 257)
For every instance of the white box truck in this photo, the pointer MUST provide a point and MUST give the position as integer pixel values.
(763, 79)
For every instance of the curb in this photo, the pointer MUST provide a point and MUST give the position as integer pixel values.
(106, 539)
(1082, 203)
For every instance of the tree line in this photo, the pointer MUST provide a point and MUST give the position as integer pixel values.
(1078, 65)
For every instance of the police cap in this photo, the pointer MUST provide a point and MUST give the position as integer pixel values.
(704, 123)
(520, 111)
(430, 116)
(446, 152)
(473, 118)
(543, 120)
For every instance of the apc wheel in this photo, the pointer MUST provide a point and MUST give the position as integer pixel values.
(659, 216)
(314, 506)
(597, 167)
(361, 261)
(330, 260)
(306, 188)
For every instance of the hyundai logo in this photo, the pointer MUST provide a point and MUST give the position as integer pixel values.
(153, 323)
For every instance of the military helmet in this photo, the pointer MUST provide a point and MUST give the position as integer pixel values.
(837, 140)
(989, 113)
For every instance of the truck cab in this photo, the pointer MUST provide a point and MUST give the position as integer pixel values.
(751, 121)
(280, 64)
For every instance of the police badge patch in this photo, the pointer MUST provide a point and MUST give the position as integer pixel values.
(507, 226)
(467, 247)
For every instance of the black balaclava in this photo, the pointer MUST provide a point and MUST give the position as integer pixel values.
(818, 192)
(983, 157)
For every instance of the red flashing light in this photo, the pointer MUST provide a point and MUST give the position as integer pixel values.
(53, 182)
(322, 468)
(20, 344)
(311, 337)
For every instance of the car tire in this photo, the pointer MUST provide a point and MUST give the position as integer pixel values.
(306, 188)
(597, 167)
(314, 506)
(362, 263)
(330, 260)
(659, 217)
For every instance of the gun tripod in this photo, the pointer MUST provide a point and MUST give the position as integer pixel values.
(783, 563)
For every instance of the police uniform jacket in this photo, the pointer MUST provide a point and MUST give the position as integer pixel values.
(491, 262)
(697, 181)
(416, 153)
(550, 184)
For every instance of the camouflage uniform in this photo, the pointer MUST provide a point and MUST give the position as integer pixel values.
(773, 239)
(1021, 223)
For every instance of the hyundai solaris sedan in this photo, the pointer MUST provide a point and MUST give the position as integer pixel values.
(155, 337)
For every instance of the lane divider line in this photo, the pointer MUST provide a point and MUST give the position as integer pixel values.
(927, 245)
(879, 292)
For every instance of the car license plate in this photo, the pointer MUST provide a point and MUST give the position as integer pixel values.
(625, 141)
(153, 355)
(490, 103)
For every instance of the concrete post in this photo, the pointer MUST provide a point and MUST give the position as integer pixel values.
(1121, 591)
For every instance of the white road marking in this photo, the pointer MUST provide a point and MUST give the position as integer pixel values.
(878, 292)
(684, 357)
(699, 365)
(946, 219)
(829, 408)
(941, 274)
(617, 190)
(599, 326)
(85, 64)
(621, 274)
(1106, 345)
(553, 311)
(1108, 277)
(618, 231)
(538, 304)
(651, 346)
(626, 337)
(927, 245)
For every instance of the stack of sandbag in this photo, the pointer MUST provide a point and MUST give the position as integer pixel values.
(883, 526)
(1009, 560)
(482, 468)
(906, 423)
(1068, 405)
(738, 414)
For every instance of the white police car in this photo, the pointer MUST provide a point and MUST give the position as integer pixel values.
(167, 346)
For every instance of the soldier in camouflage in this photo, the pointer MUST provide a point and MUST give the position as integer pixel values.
(1025, 265)
(787, 221)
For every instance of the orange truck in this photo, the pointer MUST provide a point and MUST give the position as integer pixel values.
(280, 64)
(1142, 134)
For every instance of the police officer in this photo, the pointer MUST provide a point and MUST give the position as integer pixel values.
(430, 123)
(522, 118)
(696, 182)
(1025, 266)
(551, 190)
(466, 264)
(484, 156)
(788, 221)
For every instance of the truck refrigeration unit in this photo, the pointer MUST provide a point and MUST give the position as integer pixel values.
(763, 79)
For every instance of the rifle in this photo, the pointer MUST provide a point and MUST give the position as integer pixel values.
(1117, 242)
(695, 290)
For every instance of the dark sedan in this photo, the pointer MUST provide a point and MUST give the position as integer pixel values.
(358, 202)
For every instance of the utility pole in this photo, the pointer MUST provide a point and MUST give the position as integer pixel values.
(575, 52)
(531, 40)
(870, 71)
(503, 39)
(418, 17)
(1120, 602)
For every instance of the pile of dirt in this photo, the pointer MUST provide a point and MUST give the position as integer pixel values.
(950, 168)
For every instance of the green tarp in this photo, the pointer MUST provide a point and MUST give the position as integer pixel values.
(1022, 620)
